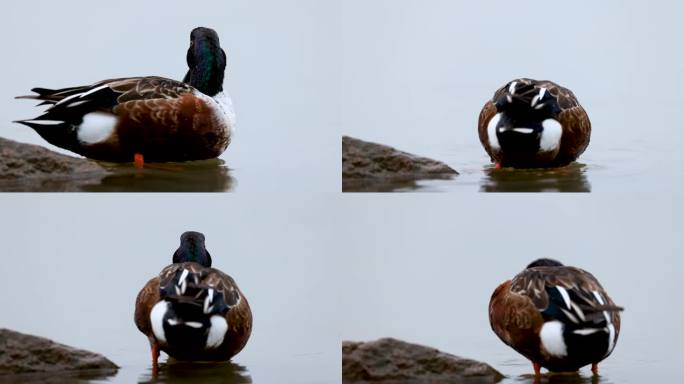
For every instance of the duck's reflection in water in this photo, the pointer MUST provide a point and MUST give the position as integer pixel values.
(196, 176)
(560, 378)
(186, 372)
(571, 178)
(405, 184)
(77, 376)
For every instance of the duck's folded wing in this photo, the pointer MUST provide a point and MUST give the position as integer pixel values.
(486, 115)
(570, 295)
(147, 298)
(566, 99)
(577, 127)
(206, 287)
(71, 104)
(147, 88)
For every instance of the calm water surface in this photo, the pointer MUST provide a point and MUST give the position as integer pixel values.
(613, 171)
(586, 175)
(194, 176)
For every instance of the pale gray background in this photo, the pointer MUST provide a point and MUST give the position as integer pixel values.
(416, 74)
(282, 59)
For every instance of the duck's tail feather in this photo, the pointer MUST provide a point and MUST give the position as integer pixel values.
(53, 95)
(55, 132)
(66, 108)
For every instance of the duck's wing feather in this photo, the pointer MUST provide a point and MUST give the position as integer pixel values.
(577, 131)
(146, 88)
(567, 294)
(566, 99)
(192, 283)
(486, 115)
(147, 298)
(129, 88)
(71, 104)
(525, 89)
(515, 319)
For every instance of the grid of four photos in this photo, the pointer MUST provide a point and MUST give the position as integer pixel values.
(299, 192)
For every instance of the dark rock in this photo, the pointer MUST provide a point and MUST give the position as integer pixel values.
(362, 160)
(30, 168)
(26, 354)
(27, 167)
(393, 361)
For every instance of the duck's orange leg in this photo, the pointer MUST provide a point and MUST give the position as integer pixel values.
(497, 165)
(537, 368)
(594, 368)
(155, 358)
(139, 160)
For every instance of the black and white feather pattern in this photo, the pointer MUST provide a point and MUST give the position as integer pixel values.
(589, 320)
(208, 290)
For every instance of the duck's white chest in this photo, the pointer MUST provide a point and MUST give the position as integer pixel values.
(224, 108)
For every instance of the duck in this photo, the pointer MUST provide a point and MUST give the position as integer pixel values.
(150, 118)
(533, 124)
(559, 317)
(191, 311)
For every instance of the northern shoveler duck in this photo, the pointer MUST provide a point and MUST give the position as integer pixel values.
(559, 317)
(191, 311)
(145, 118)
(533, 124)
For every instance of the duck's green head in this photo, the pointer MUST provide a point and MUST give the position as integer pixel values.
(207, 61)
(192, 249)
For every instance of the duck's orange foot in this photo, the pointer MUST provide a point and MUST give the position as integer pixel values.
(155, 359)
(594, 368)
(497, 165)
(537, 369)
(139, 160)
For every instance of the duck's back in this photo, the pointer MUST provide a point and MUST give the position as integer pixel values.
(195, 313)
